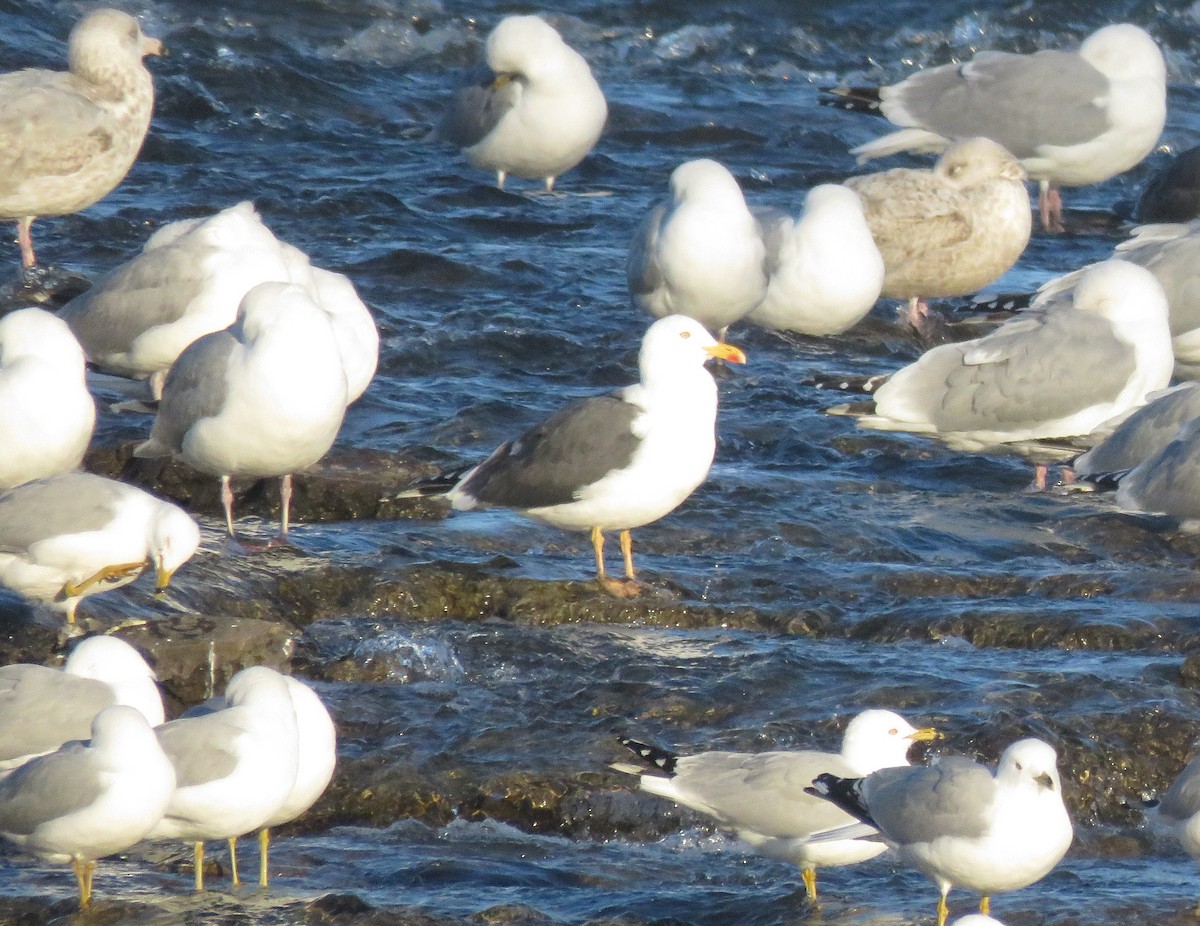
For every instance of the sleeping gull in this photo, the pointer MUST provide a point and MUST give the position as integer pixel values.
(89, 799)
(761, 795)
(611, 462)
(700, 254)
(824, 269)
(1064, 371)
(1073, 118)
(41, 708)
(951, 230)
(46, 411)
(1142, 435)
(534, 110)
(235, 767)
(68, 138)
(1167, 482)
(263, 397)
(962, 824)
(71, 535)
(1173, 193)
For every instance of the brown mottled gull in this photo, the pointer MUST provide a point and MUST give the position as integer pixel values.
(67, 138)
(951, 230)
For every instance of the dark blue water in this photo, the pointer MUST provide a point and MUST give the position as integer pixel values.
(498, 306)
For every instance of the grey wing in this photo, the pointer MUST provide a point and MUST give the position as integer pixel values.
(551, 462)
(42, 708)
(1047, 372)
(196, 387)
(202, 749)
(642, 272)
(771, 223)
(915, 804)
(1168, 482)
(65, 504)
(1174, 264)
(477, 108)
(1142, 434)
(1022, 101)
(1182, 799)
(47, 788)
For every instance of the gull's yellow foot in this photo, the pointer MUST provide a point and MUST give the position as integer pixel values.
(810, 882)
(84, 869)
(107, 574)
(620, 588)
(943, 911)
(985, 905)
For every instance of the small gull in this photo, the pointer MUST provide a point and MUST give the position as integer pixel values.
(699, 254)
(533, 111)
(962, 824)
(89, 799)
(68, 138)
(1173, 193)
(46, 411)
(71, 535)
(824, 269)
(761, 795)
(951, 230)
(1073, 118)
(235, 767)
(611, 462)
(1143, 434)
(41, 708)
(264, 397)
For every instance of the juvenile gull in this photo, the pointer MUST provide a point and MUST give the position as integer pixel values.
(68, 138)
(46, 411)
(1073, 118)
(235, 767)
(41, 708)
(1142, 435)
(824, 269)
(761, 796)
(264, 397)
(71, 535)
(612, 462)
(962, 824)
(951, 230)
(533, 111)
(699, 254)
(89, 799)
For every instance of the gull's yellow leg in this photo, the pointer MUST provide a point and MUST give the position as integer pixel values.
(810, 882)
(83, 878)
(198, 860)
(116, 571)
(237, 882)
(985, 905)
(627, 553)
(943, 910)
(264, 849)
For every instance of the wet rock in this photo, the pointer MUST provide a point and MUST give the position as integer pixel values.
(352, 910)
(45, 287)
(512, 914)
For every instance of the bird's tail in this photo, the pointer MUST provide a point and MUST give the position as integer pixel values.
(659, 759)
(1004, 302)
(846, 793)
(430, 486)
(852, 99)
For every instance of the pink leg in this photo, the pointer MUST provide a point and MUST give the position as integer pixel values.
(25, 239)
(1040, 470)
(227, 504)
(1050, 208)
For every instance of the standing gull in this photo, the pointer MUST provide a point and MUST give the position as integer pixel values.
(46, 411)
(951, 230)
(264, 397)
(824, 269)
(761, 795)
(700, 254)
(68, 138)
(962, 824)
(68, 536)
(41, 708)
(612, 462)
(89, 799)
(534, 110)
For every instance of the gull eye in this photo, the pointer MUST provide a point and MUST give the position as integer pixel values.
(685, 334)
(1020, 767)
(893, 732)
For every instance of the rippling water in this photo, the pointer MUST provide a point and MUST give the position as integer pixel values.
(866, 561)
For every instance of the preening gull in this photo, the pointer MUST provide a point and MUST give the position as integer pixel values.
(263, 397)
(46, 411)
(1173, 193)
(962, 824)
(67, 138)
(951, 230)
(761, 795)
(1073, 118)
(824, 269)
(533, 111)
(71, 535)
(234, 767)
(699, 254)
(1063, 369)
(612, 462)
(89, 799)
(1143, 434)
(41, 708)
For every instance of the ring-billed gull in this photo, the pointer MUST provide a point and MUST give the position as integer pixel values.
(951, 230)
(68, 138)
(700, 253)
(1173, 193)
(611, 462)
(1073, 118)
(533, 111)
(41, 708)
(46, 411)
(761, 795)
(89, 799)
(962, 824)
(71, 535)
(1142, 435)
(263, 397)
(234, 767)
(824, 269)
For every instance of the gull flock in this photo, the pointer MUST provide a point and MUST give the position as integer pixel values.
(252, 356)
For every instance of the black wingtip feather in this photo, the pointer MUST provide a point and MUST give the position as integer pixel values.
(844, 792)
(852, 99)
(652, 755)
